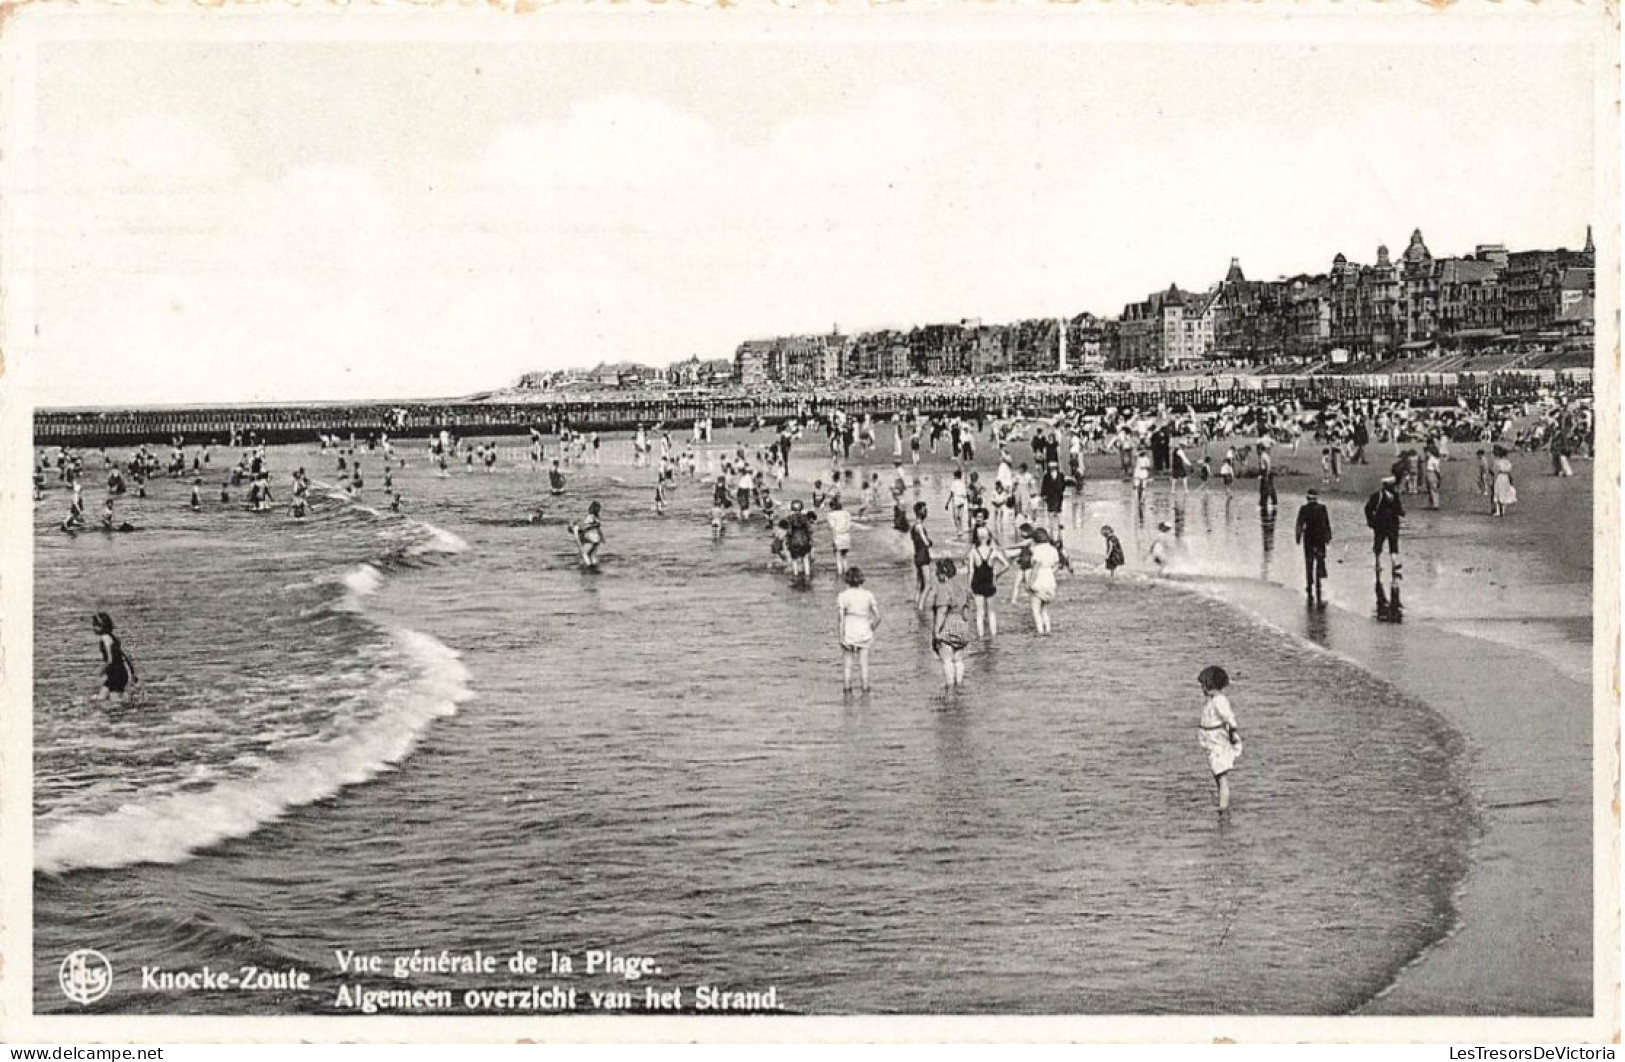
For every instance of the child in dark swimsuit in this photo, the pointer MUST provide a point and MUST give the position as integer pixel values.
(1114, 550)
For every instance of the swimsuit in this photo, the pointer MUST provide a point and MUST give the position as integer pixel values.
(922, 545)
(955, 633)
(800, 536)
(118, 673)
(856, 630)
(981, 578)
(840, 525)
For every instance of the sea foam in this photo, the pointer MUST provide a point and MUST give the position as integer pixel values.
(170, 828)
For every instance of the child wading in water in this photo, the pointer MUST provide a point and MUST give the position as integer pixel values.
(589, 536)
(950, 605)
(1114, 550)
(1161, 547)
(1218, 732)
(1024, 560)
(859, 616)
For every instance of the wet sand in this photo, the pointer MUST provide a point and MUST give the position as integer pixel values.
(1523, 941)
(1503, 655)
(1498, 614)
(1498, 640)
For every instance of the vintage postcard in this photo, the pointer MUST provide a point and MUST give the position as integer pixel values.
(810, 521)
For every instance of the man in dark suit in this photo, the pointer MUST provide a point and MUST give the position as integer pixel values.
(1383, 514)
(1314, 534)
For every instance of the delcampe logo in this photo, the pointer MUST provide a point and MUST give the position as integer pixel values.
(85, 975)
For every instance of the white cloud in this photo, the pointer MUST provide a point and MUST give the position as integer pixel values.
(653, 227)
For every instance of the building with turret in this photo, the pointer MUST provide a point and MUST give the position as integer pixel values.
(1365, 317)
(1418, 297)
(1413, 306)
(1251, 322)
(1535, 282)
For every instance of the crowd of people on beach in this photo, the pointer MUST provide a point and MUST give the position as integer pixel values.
(1007, 527)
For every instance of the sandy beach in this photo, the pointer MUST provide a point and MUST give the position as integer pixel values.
(1523, 941)
(1495, 648)
(1498, 641)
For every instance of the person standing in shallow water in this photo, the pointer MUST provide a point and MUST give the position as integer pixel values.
(589, 535)
(799, 541)
(1046, 559)
(1053, 489)
(1384, 512)
(1266, 480)
(1160, 548)
(858, 616)
(118, 671)
(1114, 550)
(840, 527)
(920, 538)
(986, 561)
(1217, 730)
(949, 605)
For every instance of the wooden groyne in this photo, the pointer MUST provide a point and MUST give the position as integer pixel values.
(222, 424)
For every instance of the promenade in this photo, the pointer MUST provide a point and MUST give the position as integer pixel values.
(516, 413)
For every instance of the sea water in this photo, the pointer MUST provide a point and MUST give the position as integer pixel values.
(380, 732)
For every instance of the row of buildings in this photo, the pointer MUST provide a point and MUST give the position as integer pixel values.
(1409, 307)
(968, 348)
(693, 372)
(1412, 306)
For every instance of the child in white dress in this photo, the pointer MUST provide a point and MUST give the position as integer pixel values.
(1218, 732)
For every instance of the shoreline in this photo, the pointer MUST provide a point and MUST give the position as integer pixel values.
(517, 412)
(1522, 935)
(1521, 938)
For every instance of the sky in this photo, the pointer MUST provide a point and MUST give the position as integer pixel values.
(211, 218)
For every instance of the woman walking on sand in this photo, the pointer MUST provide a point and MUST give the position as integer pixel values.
(1503, 493)
(950, 629)
(858, 616)
(1218, 732)
(1432, 476)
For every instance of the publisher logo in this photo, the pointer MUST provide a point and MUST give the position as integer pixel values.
(85, 975)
